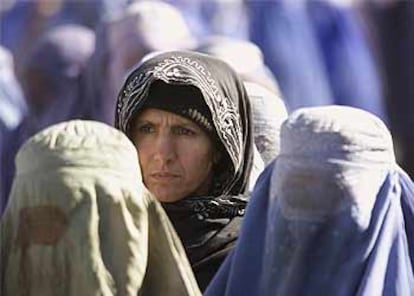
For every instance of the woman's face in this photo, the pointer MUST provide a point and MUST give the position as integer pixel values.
(176, 155)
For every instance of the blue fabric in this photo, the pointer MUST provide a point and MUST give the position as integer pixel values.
(336, 257)
(284, 33)
(12, 110)
(351, 69)
(319, 54)
(240, 272)
(407, 203)
(214, 17)
(16, 22)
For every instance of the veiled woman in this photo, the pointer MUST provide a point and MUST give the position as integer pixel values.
(189, 117)
(80, 222)
(333, 215)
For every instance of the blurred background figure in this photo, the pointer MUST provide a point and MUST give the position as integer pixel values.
(244, 56)
(347, 55)
(81, 222)
(52, 75)
(283, 31)
(319, 53)
(215, 17)
(127, 37)
(391, 24)
(23, 22)
(54, 86)
(12, 109)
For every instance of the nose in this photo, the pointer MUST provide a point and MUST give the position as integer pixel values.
(164, 149)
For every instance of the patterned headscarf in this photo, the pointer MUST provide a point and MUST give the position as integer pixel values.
(223, 93)
(183, 100)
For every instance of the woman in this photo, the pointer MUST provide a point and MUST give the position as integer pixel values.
(189, 117)
(334, 213)
(79, 222)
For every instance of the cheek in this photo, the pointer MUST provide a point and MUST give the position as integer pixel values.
(143, 151)
(196, 159)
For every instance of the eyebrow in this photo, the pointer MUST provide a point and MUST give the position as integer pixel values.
(182, 123)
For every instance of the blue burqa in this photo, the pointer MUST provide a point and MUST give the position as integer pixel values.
(334, 216)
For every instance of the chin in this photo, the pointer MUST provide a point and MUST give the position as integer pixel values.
(167, 196)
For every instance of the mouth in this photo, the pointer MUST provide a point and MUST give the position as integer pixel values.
(163, 176)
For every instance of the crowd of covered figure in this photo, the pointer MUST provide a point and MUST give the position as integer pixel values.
(217, 148)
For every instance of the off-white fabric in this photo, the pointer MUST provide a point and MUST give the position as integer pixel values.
(144, 27)
(268, 112)
(332, 158)
(244, 56)
(80, 222)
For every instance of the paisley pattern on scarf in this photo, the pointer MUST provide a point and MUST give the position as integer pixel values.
(210, 208)
(184, 70)
(207, 225)
(224, 94)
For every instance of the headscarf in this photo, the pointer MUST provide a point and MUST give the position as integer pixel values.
(207, 225)
(80, 221)
(223, 92)
(332, 213)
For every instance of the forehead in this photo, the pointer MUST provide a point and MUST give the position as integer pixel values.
(157, 115)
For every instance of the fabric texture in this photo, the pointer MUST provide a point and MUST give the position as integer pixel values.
(80, 221)
(332, 213)
(202, 221)
(268, 112)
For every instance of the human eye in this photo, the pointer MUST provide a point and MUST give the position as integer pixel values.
(183, 131)
(145, 128)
